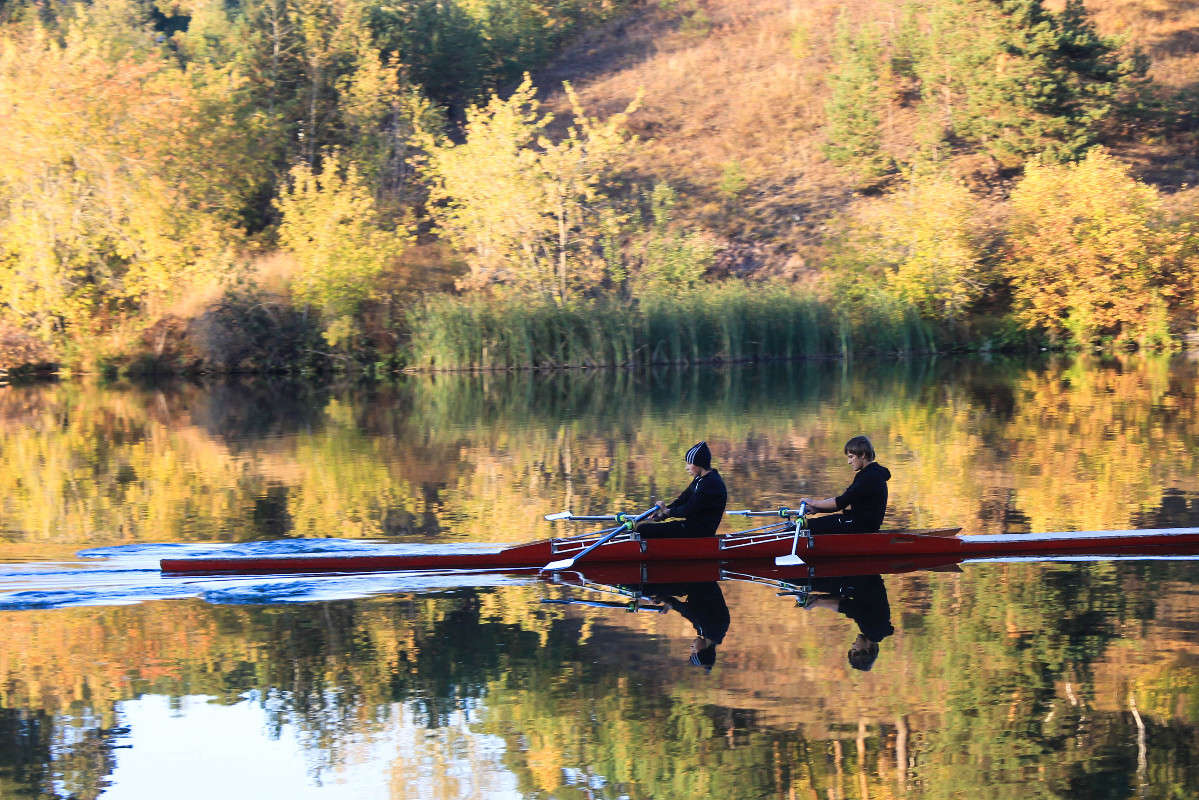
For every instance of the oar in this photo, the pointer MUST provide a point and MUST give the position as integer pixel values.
(793, 560)
(567, 515)
(626, 523)
(781, 512)
(630, 606)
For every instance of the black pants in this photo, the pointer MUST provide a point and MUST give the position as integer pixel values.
(835, 523)
(675, 529)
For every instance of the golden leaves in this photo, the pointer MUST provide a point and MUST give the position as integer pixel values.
(1093, 254)
(524, 208)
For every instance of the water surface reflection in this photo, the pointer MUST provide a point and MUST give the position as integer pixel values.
(1062, 679)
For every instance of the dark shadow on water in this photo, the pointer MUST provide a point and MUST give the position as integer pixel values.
(43, 756)
(1177, 509)
(247, 410)
(25, 738)
(240, 411)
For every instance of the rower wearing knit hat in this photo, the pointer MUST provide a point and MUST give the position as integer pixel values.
(699, 508)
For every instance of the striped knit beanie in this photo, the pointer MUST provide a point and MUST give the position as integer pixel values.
(700, 456)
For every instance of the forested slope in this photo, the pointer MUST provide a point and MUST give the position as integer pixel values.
(284, 184)
(751, 106)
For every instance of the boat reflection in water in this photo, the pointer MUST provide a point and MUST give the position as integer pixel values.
(852, 587)
(699, 602)
(861, 598)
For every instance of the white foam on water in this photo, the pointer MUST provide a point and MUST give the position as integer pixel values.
(128, 574)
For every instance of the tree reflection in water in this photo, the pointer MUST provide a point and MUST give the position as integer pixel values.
(1001, 681)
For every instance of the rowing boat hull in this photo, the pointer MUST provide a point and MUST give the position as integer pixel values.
(939, 542)
(676, 572)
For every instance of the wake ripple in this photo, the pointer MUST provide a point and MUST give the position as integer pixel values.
(129, 574)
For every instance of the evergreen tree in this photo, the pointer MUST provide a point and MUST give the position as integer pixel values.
(1019, 80)
(854, 128)
(441, 45)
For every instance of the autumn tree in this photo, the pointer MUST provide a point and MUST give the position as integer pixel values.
(922, 245)
(380, 115)
(340, 241)
(525, 210)
(319, 80)
(113, 176)
(1095, 257)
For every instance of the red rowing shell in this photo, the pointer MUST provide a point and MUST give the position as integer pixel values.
(728, 547)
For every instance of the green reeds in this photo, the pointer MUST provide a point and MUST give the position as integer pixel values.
(726, 322)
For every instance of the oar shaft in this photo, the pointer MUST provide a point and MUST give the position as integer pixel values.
(607, 535)
(569, 517)
(604, 539)
(630, 606)
(778, 512)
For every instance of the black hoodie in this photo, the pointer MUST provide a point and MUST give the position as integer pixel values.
(865, 501)
(701, 504)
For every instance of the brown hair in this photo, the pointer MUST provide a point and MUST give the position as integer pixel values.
(864, 659)
(860, 446)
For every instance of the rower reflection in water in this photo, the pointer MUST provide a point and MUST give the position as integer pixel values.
(704, 608)
(862, 598)
(862, 505)
(700, 506)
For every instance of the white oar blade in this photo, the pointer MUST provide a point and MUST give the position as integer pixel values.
(554, 566)
(789, 560)
(558, 516)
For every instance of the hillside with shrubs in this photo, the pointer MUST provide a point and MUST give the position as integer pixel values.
(305, 185)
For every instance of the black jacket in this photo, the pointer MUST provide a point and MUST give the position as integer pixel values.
(705, 609)
(865, 501)
(862, 598)
(701, 504)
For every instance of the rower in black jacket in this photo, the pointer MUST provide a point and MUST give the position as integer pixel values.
(699, 508)
(861, 506)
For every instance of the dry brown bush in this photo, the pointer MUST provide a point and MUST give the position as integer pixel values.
(19, 349)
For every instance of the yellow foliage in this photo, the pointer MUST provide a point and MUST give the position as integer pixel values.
(170, 480)
(1094, 255)
(331, 225)
(921, 245)
(102, 222)
(523, 208)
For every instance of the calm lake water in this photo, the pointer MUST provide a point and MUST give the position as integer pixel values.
(1052, 679)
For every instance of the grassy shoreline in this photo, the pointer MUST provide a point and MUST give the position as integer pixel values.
(729, 323)
(726, 323)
